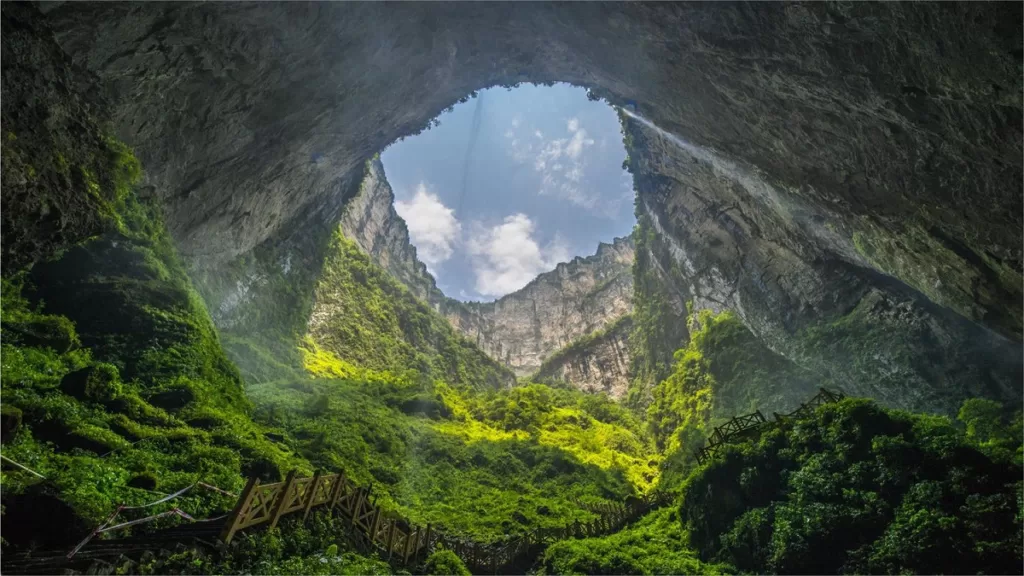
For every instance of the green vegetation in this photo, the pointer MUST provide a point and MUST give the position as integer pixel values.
(365, 316)
(111, 360)
(860, 489)
(724, 371)
(659, 327)
(116, 387)
(263, 303)
(656, 544)
(553, 362)
(479, 464)
(445, 563)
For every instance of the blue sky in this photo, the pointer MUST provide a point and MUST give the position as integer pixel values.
(510, 184)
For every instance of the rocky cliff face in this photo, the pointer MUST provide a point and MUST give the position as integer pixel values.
(908, 115)
(521, 329)
(848, 171)
(575, 299)
(370, 220)
(727, 238)
(598, 362)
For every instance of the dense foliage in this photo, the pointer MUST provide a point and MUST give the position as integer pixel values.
(724, 371)
(479, 464)
(445, 563)
(656, 544)
(860, 489)
(368, 318)
(116, 376)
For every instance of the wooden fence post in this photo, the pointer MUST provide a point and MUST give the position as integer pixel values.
(358, 506)
(282, 501)
(311, 494)
(242, 505)
(426, 542)
(338, 490)
(374, 526)
(391, 537)
(410, 540)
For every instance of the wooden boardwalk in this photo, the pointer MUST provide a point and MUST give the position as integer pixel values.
(393, 537)
(742, 427)
(399, 542)
(368, 527)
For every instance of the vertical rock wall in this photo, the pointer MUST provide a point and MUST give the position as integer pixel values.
(519, 330)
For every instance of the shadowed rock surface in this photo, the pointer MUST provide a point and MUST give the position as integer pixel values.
(883, 142)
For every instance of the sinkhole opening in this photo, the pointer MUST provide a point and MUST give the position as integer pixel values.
(509, 183)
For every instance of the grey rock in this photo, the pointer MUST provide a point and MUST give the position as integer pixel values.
(525, 327)
(893, 114)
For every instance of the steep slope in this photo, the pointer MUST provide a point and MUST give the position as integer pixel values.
(369, 219)
(723, 237)
(575, 299)
(597, 362)
(523, 329)
(362, 315)
(114, 382)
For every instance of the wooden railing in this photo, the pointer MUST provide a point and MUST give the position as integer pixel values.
(394, 537)
(742, 426)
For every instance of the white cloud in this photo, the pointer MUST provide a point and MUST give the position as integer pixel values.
(433, 227)
(560, 161)
(577, 142)
(506, 257)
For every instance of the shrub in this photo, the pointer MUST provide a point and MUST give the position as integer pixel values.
(856, 488)
(445, 563)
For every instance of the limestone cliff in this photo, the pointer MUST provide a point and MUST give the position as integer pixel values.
(724, 237)
(521, 329)
(576, 298)
(370, 220)
(597, 362)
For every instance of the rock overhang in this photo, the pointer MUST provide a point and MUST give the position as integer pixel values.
(889, 118)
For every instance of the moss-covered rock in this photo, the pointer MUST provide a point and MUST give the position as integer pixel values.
(97, 383)
(10, 422)
(54, 332)
(62, 177)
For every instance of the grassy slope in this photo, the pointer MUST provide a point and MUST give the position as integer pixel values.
(479, 464)
(368, 318)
